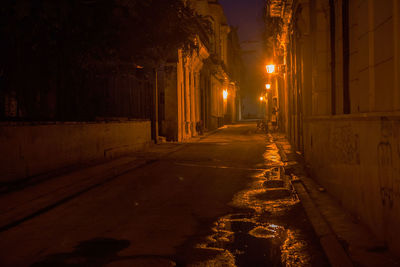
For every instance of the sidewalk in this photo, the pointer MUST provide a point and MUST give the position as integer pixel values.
(34, 198)
(31, 201)
(345, 240)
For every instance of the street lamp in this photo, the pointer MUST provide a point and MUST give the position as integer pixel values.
(270, 68)
(268, 86)
(225, 94)
(261, 98)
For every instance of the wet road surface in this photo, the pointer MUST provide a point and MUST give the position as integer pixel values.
(220, 201)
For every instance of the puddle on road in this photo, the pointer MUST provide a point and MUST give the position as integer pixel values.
(263, 200)
(269, 226)
(269, 231)
(271, 155)
(263, 232)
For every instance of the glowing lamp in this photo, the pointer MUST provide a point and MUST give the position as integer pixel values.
(268, 86)
(261, 98)
(270, 68)
(225, 94)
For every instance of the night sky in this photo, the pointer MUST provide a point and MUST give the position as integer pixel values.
(247, 15)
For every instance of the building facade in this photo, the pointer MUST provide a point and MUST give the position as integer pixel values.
(236, 72)
(340, 101)
(196, 90)
(180, 90)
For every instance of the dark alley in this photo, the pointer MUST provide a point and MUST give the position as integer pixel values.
(220, 133)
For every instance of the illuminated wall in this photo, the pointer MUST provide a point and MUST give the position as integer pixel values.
(342, 103)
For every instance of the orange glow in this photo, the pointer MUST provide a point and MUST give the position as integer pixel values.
(270, 68)
(268, 86)
(261, 98)
(225, 94)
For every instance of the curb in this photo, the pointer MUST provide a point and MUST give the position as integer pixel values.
(334, 251)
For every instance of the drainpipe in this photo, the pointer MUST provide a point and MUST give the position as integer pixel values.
(154, 119)
(333, 55)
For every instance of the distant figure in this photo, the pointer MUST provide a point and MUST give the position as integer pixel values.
(199, 127)
(262, 125)
(274, 115)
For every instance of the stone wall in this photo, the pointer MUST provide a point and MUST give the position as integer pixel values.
(32, 149)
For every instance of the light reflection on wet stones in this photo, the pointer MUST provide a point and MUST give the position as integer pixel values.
(266, 231)
(262, 232)
(294, 250)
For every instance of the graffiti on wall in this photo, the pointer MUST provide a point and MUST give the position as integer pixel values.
(388, 164)
(385, 166)
(345, 145)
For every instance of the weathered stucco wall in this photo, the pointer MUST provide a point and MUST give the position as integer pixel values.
(341, 102)
(28, 150)
(357, 158)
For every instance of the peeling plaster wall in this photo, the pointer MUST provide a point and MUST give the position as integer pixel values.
(28, 150)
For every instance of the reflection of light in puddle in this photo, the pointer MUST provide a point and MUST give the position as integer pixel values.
(261, 232)
(293, 247)
(250, 199)
(232, 229)
(215, 243)
(294, 250)
(222, 234)
(269, 231)
(272, 157)
(274, 154)
(222, 230)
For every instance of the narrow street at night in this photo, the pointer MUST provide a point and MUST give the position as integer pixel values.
(200, 133)
(201, 205)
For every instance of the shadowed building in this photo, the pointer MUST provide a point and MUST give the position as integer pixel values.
(180, 93)
(236, 72)
(192, 84)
